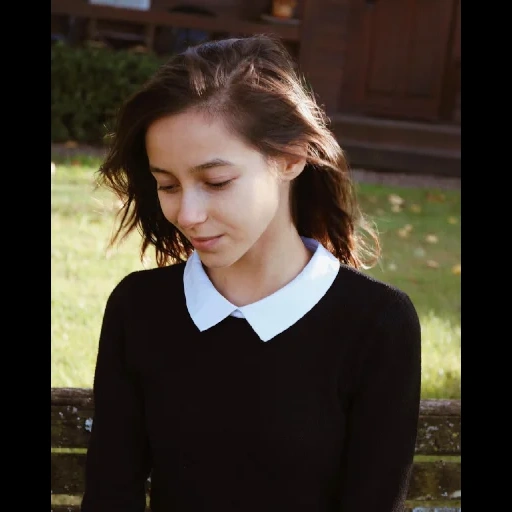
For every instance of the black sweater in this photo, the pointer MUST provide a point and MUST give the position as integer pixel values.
(321, 418)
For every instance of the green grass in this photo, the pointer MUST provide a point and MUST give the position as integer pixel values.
(84, 273)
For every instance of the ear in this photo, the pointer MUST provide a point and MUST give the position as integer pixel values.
(292, 165)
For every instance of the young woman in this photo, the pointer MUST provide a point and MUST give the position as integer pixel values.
(257, 368)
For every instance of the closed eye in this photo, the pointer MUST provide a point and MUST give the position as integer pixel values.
(167, 188)
(174, 188)
(219, 185)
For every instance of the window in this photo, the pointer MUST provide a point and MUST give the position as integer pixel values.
(143, 5)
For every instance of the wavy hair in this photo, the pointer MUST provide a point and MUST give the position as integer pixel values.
(253, 84)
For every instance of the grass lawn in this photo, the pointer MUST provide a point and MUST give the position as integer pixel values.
(420, 232)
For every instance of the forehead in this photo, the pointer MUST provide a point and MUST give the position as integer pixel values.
(188, 134)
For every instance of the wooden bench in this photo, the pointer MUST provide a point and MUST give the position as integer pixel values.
(435, 484)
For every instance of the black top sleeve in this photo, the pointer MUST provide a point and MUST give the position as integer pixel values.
(384, 412)
(118, 460)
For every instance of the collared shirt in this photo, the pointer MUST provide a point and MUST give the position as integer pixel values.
(271, 315)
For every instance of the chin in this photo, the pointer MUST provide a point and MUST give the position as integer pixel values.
(213, 261)
(217, 260)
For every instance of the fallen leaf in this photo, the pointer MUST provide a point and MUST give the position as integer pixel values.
(431, 239)
(432, 264)
(435, 198)
(415, 208)
(419, 252)
(395, 199)
(70, 144)
(453, 220)
(404, 232)
(456, 269)
(396, 208)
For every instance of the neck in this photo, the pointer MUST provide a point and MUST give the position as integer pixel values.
(275, 260)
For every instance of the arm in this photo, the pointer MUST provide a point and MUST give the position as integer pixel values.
(383, 416)
(118, 461)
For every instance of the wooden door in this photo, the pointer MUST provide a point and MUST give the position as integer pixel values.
(396, 57)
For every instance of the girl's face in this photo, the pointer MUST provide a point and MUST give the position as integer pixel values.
(218, 191)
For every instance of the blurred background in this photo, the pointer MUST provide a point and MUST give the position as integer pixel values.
(387, 72)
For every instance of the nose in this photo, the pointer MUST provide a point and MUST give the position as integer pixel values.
(192, 210)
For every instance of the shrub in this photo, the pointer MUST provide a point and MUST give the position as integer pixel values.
(88, 85)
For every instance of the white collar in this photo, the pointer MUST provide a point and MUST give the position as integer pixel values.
(271, 315)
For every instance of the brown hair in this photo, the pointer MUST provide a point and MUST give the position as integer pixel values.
(252, 83)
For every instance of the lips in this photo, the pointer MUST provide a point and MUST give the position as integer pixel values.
(204, 243)
(203, 238)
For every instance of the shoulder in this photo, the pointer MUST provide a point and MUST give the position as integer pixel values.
(377, 300)
(386, 320)
(150, 283)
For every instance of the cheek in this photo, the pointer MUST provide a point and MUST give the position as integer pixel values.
(169, 206)
(265, 195)
(257, 201)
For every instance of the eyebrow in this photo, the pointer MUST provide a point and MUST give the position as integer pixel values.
(216, 162)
